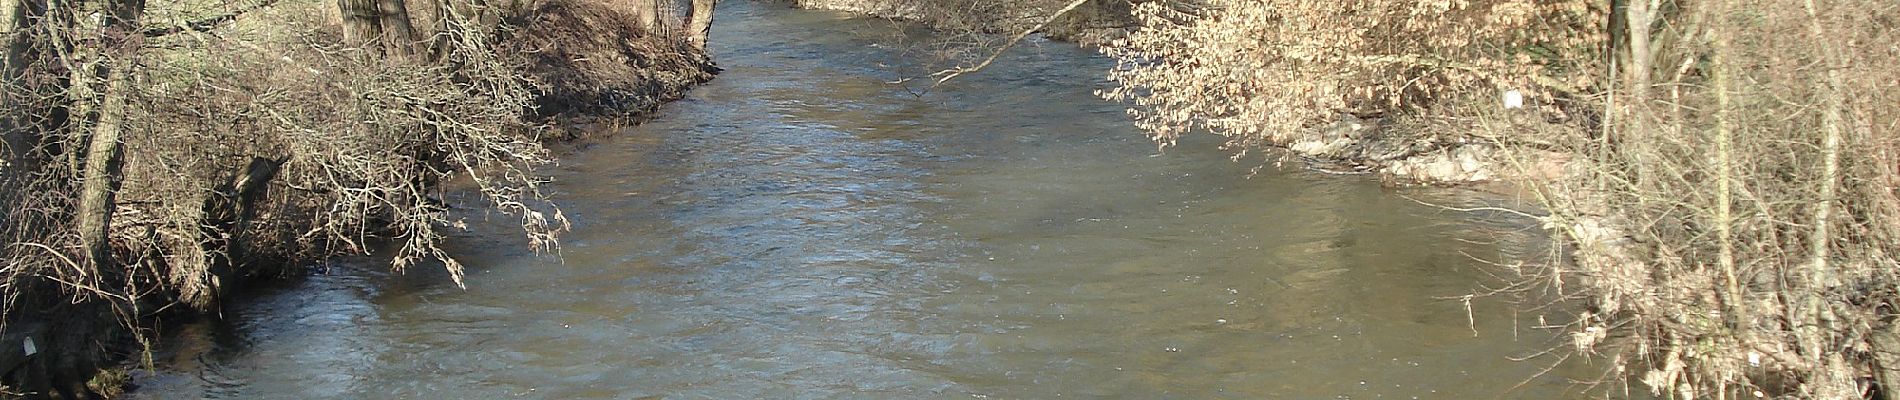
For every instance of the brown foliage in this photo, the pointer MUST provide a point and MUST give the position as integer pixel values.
(1260, 71)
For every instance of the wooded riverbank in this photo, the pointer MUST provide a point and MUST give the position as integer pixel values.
(172, 152)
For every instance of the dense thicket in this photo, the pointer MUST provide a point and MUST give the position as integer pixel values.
(1261, 72)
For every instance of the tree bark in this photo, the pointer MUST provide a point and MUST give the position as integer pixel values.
(362, 26)
(646, 13)
(699, 23)
(1722, 75)
(104, 168)
(17, 19)
(103, 173)
(227, 214)
(399, 35)
(435, 27)
(1820, 270)
(1640, 16)
(15, 142)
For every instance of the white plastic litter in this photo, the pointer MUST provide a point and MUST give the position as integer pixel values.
(1513, 99)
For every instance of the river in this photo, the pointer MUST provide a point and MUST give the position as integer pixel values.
(799, 228)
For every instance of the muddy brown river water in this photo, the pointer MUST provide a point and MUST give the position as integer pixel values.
(798, 228)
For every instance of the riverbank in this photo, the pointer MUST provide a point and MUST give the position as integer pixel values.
(264, 145)
(1728, 203)
(589, 69)
(1723, 173)
(803, 228)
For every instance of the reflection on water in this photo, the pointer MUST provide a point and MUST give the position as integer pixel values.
(800, 229)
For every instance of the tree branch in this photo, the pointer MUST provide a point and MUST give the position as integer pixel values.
(949, 74)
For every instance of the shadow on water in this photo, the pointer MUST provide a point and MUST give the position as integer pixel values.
(799, 228)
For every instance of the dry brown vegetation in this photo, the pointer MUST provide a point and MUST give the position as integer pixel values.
(162, 151)
(1730, 187)
(581, 67)
(1262, 72)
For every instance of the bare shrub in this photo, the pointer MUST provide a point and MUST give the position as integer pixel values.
(256, 139)
(1260, 72)
(1736, 218)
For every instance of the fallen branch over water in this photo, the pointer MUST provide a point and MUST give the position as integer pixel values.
(948, 74)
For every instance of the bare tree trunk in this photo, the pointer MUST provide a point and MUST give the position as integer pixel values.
(102, 174)
(399, 35)
(647, 14)
(1886, 351)
(15, 142)
(362, 26)
(699, 23)
(669, 18)
(1722, 76)
(13, 65)
(1820, 270)
(438, 28)
(19, 19)
(104, 169)
(84, 78)
(1640, 17)
(85, 88)
(382, 26)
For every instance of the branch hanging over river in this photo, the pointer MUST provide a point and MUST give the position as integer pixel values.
(948, 74)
